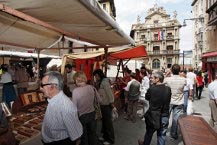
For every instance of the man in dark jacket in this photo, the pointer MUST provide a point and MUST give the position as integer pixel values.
(157, 117)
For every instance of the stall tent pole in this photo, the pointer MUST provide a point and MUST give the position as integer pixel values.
(119, 67)
(38, 58)
(3, 58)
(106, 60)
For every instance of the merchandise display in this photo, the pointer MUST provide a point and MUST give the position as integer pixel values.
(27, 125)
(28, 121)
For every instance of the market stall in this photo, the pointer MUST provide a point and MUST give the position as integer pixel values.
(38, 26)
(27, 60)
(89, 61)
(138, 52)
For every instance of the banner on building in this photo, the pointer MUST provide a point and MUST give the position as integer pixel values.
(158, 38)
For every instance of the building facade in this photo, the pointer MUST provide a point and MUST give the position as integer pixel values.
(109, 7)
(160, 35)
(199, 32)
(209, 57)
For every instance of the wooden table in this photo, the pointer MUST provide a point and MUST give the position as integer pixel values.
(196, 131)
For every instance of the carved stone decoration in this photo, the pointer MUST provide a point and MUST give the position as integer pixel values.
(174, 14)
(138, 19)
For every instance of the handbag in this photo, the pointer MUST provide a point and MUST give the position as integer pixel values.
(153, 118)
(98, 113)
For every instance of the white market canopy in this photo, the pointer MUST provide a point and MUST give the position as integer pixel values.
(41, 23)
(25, 55)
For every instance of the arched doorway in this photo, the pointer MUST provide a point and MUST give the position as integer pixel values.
(156, 64)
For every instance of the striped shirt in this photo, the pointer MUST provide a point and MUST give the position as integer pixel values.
(176, 83)
(61, 120)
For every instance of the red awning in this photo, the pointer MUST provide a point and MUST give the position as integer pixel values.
(209, 54)
(136, 52)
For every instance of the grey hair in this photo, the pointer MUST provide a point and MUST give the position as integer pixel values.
(159, 75)
(55, 77)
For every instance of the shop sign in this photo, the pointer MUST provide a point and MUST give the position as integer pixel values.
(212, 59)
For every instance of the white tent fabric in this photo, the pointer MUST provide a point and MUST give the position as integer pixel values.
(26, 55)
(56, 62)
(78, 19)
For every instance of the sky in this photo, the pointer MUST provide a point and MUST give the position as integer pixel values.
(128, 10)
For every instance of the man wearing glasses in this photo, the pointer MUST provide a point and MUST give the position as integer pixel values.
(61, 124)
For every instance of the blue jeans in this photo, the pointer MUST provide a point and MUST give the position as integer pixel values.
(177, 110)
(161, 133)
(185, 100)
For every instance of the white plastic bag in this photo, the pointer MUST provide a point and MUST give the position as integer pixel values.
(114, 114)
(190, 109)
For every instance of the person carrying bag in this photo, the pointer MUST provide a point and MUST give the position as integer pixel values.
(157, 117)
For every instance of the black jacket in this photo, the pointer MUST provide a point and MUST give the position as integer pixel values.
(159, 97)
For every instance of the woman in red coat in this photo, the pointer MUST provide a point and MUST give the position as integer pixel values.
(200, 84)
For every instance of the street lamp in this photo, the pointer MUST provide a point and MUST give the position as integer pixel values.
(183, 56)
(198, 35)
(192, 19)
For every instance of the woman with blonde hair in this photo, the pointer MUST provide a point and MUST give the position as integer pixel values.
(83, 97)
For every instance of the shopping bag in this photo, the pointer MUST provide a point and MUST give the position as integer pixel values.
(190, 109)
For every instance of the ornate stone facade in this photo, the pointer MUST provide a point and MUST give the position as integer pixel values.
(160, 35)
(199, 32)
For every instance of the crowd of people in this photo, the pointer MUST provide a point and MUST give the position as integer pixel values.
(13, 75)
(161, 94)
(71, 118)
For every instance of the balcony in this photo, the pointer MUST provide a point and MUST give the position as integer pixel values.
(170, 37)
(163, 52)
(155, 39)
(143, 39)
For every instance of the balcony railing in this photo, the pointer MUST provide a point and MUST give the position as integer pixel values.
(170, 37)
(163, 52)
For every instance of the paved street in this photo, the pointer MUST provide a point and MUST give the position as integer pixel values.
(127, 133)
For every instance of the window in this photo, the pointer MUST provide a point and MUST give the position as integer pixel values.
(156, 64)
(169, 34)
(170, 49)
(155, 21)
(155, 36)
(104, 6)
(156, 50)
(169, 60)
(142, 37)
